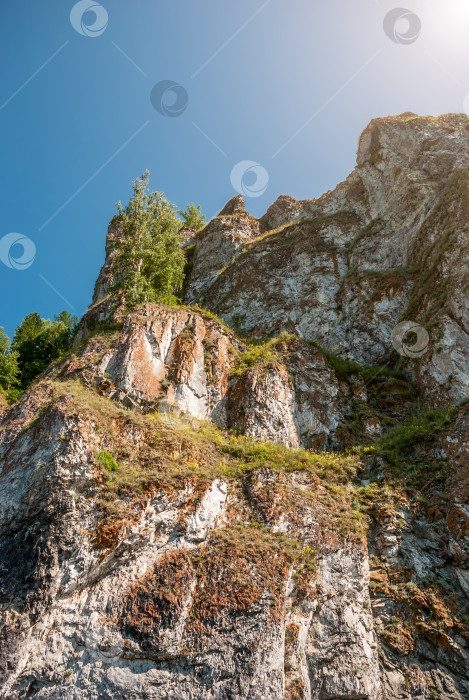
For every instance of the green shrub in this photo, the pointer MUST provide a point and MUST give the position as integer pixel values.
(193, 217)
(403, 446)
(106, 460)
(395, 446)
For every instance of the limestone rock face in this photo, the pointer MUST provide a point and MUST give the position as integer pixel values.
(218, 245)
(389, 244)
(409, 544)
(185, 515)
(298, 402)
(138, 559)
(149, 595)
(181, 359)
(106, 276)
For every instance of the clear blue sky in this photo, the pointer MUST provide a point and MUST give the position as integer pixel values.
(256, 73)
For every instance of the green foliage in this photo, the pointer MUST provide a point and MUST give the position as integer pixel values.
(106, 460)
(261, 356)
(237, 320)
(38, 341)
(193, 217)
(9, 369)
(396, 444)
(4, 341)
(249, 455)
(345, 368)
(403, 447)
(149, 262)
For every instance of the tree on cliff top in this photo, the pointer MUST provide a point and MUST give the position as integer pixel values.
(193, 217)
(149, 262)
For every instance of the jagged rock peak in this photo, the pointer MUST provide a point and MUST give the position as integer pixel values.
(388, 245)
(283, 210)
(105, 277)
(236, 205)
(344, 269)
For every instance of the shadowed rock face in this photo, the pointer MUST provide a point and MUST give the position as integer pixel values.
(162, 533)
(106, 276)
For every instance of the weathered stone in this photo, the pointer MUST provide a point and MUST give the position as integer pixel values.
(389, 243)
(142, 557)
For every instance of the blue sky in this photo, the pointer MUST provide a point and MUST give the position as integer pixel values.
(288, 85)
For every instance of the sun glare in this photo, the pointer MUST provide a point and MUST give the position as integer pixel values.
(449, 22)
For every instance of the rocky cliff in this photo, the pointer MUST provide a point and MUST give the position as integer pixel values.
(389, 244)
(272, 502)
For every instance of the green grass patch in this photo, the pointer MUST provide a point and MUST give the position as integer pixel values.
(404, 447)
(344, 368)
(261, 355)
(248, 455)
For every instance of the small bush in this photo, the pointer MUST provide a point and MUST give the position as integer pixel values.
(106, 460)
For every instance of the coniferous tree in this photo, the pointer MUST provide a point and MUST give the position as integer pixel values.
(193, 217)
(38, 341)
(9, 369)
(149, 262)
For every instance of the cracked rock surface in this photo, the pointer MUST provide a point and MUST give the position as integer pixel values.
(191, 510)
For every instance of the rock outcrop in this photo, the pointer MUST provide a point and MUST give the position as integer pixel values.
(285, 391)
(144, 554)
(389, 244)
(155, 582)
(266, 510)
(107, 276)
